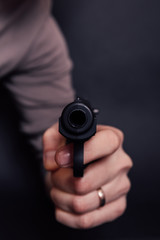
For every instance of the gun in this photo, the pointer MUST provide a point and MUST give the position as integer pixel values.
(78, 123)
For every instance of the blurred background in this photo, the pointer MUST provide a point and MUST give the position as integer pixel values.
(115, 48)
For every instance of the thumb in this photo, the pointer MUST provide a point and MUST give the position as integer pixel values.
(64, 156)
(52, 141)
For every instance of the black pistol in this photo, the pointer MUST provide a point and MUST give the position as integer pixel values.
(78, 123)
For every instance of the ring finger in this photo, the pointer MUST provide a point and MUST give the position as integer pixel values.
(108, 213)
(81, 204)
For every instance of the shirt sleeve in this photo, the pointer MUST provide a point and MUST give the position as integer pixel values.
(39, 78)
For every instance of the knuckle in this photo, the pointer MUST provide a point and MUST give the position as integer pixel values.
(81, 186)
(127, 163)
(120, 135)
(121, 207)
(78, 204)
(126, 186)
(84, 222)
(130, 162)
(117, 138)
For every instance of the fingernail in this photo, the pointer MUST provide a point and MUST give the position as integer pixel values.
(63, 157)
(49, 158)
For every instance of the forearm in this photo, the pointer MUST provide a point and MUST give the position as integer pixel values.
(36, 70)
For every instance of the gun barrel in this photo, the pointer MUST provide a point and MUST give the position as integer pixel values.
(77, 118)
(78, 123)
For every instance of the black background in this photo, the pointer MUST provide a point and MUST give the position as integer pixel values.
(115, 47)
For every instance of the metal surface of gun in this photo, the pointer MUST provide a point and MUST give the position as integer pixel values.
(78, 123)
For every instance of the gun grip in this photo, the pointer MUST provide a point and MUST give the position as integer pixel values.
(78, 154)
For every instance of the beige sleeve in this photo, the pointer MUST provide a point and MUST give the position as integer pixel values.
(40, 81)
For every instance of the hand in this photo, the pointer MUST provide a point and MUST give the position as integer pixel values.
(77, 204)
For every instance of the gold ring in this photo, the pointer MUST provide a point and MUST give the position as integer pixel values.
(101, 197)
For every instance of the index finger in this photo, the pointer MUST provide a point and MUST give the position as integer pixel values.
(105, 142)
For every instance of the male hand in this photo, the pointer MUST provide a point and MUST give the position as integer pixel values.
(76, 200)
